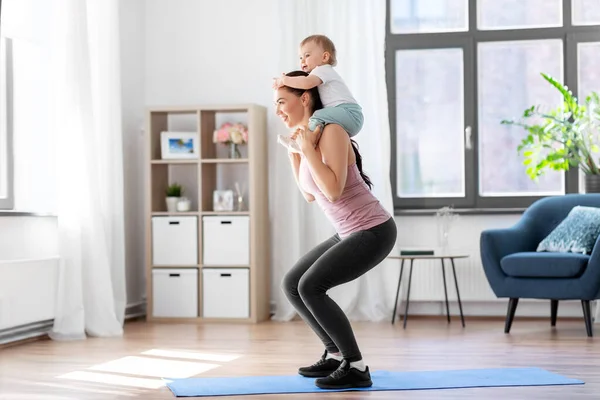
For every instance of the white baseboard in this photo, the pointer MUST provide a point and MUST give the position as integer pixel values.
(24, 332)
(135, 310)
(496, 308)
(41, 328)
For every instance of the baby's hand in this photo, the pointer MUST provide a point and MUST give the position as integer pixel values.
(278, 82)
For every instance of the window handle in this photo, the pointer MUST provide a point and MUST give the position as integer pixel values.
(468, 143)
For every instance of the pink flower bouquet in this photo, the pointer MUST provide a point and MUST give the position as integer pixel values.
(231, 133)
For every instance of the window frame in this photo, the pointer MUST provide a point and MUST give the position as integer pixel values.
(7, 203)
(569, 34)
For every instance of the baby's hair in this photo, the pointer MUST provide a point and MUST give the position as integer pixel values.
(325, 43)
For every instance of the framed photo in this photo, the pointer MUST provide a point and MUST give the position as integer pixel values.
(179, 145)
(223, 200)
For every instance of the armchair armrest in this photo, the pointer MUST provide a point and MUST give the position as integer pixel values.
(591, 277)
(497, 243)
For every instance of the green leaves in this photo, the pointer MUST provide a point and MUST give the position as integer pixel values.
(561, 138)
(174, 190)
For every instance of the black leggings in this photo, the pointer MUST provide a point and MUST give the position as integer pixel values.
(332, 263)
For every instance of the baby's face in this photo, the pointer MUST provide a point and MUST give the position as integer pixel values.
(311, 56)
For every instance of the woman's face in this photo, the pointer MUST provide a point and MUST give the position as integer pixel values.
(290, 107)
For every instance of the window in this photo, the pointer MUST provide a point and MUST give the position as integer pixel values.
(27, 167)
(455, 70)
(6, 148)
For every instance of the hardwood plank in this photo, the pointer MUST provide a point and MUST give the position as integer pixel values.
(34, 370)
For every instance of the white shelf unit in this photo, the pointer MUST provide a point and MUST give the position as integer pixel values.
(226, 253)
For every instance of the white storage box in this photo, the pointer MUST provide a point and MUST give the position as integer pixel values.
(225, 293)
(226, 241)
(175, 292)
(175, 241)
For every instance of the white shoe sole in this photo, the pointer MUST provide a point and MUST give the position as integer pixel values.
(288, 143)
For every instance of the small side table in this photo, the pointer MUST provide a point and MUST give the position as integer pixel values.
(434, 257)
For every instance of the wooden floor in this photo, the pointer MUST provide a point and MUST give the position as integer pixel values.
(131, 367)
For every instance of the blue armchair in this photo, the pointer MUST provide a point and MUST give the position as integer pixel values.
(515, 270)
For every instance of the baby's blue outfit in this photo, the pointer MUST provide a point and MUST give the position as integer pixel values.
(348, 115)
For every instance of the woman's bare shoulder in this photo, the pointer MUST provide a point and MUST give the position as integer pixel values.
(334, 142)
(333, 136)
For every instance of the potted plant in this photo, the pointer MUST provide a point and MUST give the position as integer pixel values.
(563, 137)
(173, 192)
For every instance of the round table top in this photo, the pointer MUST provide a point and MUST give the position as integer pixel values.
(428, 257)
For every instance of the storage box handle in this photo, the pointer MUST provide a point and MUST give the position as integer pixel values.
(173, 222)
(174, 275)
(225, 274)
(226, 222)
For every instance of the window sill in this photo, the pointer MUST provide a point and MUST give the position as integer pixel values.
(399, 212)
(14, 213)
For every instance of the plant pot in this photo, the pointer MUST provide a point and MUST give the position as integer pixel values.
(183, 204)
(172, 204)
(592, 183)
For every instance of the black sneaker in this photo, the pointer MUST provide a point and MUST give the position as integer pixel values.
(321, 368)
(346, 378)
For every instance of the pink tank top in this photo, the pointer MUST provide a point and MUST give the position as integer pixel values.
(357, 208)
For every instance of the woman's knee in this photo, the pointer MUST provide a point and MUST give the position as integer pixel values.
(307, 288)
(289, 284)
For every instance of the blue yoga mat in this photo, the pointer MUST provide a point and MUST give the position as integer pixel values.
(382, 380)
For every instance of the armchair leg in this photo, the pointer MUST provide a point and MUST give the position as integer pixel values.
(587, 316)
(553, 311)
(510, 315)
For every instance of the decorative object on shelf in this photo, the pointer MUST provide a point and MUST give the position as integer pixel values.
(563, 137)
(179, 145)
(223, 200)
(184, 204)
(445, 217)
(173, 192)
(232, 135)
(240, 197)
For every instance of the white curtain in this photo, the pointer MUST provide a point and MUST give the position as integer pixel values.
(357, 28)
(87, 124)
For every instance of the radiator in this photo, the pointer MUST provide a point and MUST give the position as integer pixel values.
(428, 284)
(27, 291)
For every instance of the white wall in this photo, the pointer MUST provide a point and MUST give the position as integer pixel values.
(211, 52)
(28, 238)
(27, 24)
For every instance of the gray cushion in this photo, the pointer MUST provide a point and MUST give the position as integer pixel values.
(577, 233)
(544, 265)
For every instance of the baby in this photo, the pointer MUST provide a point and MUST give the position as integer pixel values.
(318, 57)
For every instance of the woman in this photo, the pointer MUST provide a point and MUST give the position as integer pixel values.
(329, 171)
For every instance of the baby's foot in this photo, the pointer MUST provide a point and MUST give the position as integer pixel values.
(290, 144)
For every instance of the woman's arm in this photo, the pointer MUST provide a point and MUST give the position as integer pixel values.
(330, 168)
(295, 161)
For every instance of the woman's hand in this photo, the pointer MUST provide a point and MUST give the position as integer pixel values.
(305, 138)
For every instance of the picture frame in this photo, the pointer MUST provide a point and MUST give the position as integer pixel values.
(223, 200)
(179, 145)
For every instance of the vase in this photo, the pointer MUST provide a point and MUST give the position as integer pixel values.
(445, 219)
(592, 183)
(234, 151)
